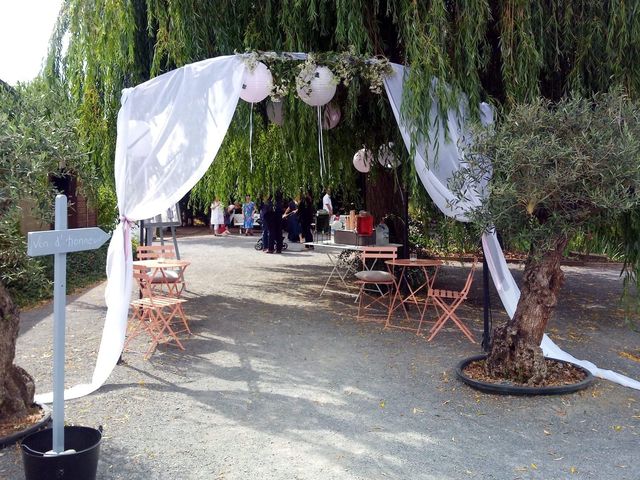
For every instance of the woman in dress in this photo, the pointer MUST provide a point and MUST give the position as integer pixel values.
(248, 208)
(217, 217)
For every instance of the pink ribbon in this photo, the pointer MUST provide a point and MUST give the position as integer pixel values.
(127, 234)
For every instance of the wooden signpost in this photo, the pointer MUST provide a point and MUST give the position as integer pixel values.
(59, 242)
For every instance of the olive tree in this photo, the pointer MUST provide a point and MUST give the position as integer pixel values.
(37, 138)
(556, 169)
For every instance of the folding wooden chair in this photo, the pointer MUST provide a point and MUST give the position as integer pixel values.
(155, 315)
(448, 301)
(368, 297)
(166, 280)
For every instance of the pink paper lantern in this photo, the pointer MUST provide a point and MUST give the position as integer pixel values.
(275, 113)
(362, 160)
(386, 157)
(331, 116)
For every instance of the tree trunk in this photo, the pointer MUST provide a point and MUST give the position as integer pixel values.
(16, 385)
(515, 351)
(384, 199)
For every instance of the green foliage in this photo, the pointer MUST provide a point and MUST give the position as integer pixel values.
(38, 138)
(105, 204)
(83, 268)
(24, 277)
(559, 168)
(507, 52)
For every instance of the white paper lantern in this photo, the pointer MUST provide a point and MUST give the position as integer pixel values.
(321, 89)
(256, 85)
(275, 113)
(386, 157)
(362, 160)
(331, 116)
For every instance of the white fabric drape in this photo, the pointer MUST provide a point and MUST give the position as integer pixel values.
(435, 164)
(169, 131)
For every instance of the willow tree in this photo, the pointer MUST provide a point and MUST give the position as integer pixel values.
(508, 52)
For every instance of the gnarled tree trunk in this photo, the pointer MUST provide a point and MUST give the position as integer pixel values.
(515, 350)
(16, 385)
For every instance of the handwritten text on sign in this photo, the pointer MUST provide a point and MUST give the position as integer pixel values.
(65, 241)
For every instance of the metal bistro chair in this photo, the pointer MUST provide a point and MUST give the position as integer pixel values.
(169, 280)
(155, 315)
(367, 296)
(448, 301)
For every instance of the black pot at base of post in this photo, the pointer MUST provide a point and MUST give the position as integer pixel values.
(83, 464)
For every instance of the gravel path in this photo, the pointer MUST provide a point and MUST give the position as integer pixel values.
(276, 383)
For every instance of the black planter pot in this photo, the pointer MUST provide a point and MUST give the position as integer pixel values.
(82, 463)
(17, 436)
(510, 389)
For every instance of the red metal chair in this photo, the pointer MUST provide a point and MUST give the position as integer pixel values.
(448, 301)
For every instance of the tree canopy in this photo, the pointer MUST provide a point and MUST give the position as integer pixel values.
(502, 51)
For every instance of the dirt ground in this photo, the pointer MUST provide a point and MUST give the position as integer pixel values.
(278, 383)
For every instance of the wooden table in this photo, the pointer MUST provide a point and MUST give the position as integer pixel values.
(399, 300)
(168, 273)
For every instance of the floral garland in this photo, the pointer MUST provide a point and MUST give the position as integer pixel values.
(291, 71)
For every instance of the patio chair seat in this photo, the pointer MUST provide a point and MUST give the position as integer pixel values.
(374, 276)
(168, 276)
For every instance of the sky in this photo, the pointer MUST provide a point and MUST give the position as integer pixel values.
(25, 29)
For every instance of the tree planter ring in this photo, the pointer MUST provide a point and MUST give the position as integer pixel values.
(42, 423)
(510, 389)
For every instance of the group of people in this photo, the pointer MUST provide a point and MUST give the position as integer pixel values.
(222, 219)
(294, 216)
(276, 213)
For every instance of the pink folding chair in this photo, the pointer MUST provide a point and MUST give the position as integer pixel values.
(448, 301)
(367, 296)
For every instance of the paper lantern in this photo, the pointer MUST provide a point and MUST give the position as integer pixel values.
(321, 89)
(362, 160)
(275, 113)
(331, 116)
(386, 157)
(256, 84)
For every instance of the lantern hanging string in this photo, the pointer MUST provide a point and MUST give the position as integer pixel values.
(320, 144)
(250, 138)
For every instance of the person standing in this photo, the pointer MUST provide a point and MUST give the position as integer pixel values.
(217, 217)
(248, 207)
(326, 202)
(293, 226)
(275, 225)
(266, 210)
(305, 213)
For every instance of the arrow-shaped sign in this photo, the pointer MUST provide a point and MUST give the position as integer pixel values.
(64, 241)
